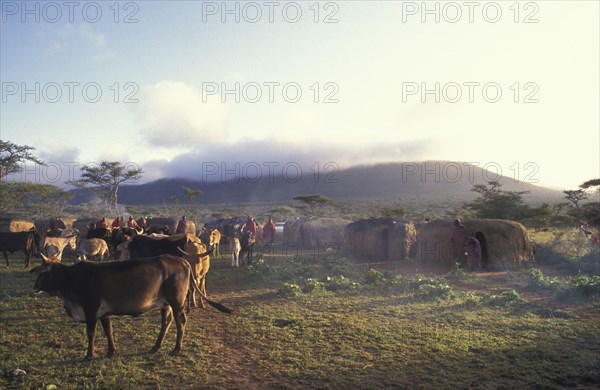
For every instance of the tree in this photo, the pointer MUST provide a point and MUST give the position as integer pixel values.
(493, 202)
(190, 194)
(314, 202)
(104, 180)
(576, 196)
(12, 155)
(590, 211)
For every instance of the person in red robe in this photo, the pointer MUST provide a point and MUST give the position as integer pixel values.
(269, 232)
(132, 223)
(459, 239)
(102, 224)
(249, 226)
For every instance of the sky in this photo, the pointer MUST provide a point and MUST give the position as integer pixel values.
(217, 90)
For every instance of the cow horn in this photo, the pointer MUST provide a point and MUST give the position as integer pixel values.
(194, 254)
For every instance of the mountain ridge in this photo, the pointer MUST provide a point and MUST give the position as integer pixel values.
(428, 179)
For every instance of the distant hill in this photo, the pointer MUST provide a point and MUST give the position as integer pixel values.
(424, 180)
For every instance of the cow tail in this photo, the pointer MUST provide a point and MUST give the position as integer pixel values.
(216, 305)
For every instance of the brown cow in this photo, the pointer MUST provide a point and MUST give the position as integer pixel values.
(54, 246)
(91, 247)
(97, 291)
(199, 259)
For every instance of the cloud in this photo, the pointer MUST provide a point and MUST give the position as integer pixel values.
(173, 115)
(254, 157)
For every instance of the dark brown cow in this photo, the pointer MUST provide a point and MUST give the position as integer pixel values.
(96, 291)
(19, 241)
(144, 246)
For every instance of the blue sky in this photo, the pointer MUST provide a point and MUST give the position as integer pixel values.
(517, 86)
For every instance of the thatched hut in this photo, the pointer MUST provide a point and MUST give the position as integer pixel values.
(315, 232)
(13, 225)
(505, 244)
(380, 238)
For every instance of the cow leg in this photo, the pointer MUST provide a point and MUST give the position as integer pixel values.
(203, 289)
(107, 326)
(91, 333)
(166, 320)
(6, 259)
(180, 320)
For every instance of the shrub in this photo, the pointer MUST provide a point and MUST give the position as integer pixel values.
(504, 299)
(435, 292)
(375, 277)
(587, 286)
(537, 279)
(340, 283)
(457, 273)
(288, 290)
(312, 285)
(258, 270)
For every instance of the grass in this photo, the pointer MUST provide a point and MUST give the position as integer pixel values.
(367, 337)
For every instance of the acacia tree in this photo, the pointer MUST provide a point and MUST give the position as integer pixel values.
(104, 180)
(493, 202)
(591, 211)
(190, 194)
(314, 202)
(12, 155)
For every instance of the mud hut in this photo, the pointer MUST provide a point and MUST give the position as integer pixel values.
(14, 225)
(505, 244)
(309, 233)
(380, 238)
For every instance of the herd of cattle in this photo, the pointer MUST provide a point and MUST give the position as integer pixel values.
(125, 243)
(164, 271)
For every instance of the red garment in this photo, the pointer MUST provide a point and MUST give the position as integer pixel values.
(132, 224)
(115, 223)
(102, 224)
(143, 223)
(459, 238)
(249, 226)
(269, 232)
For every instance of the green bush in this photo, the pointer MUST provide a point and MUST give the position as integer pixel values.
(537, 279)
(457, 273)
(584, 285)
(340, 283)
(375, 277)
(504, 299)
(289, 290)
(312, 285)
(258, 270)
(435, 292)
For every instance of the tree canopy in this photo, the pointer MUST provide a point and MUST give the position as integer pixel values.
(103, 180)
(314, 202)
(12, 156)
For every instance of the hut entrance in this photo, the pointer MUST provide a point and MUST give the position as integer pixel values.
(484, 251)
(385, 243)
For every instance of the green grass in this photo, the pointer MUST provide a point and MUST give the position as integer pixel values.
(369, 337)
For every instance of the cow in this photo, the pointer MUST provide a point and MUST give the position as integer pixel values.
(19, 241)
(144, 246)
(159, 230)
(235, 253)
(54, 246)
(123, 250)
(91, 247)
(199, 259)
(97, 291)
(247, 246)
(211, 237)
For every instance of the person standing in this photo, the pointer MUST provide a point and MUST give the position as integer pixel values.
(459, 239)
